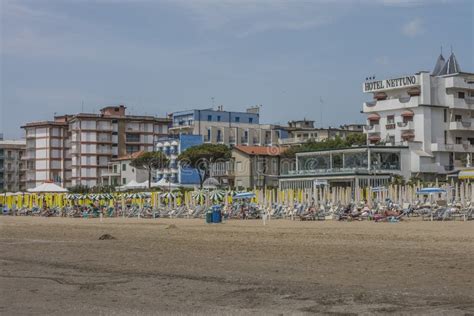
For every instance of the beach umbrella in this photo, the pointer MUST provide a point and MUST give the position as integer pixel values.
(426, 191)
(216, 195)
(244, 195)
(198, 195)
(136, 195)
(168, 195)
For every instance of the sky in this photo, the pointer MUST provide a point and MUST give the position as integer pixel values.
(298, 59)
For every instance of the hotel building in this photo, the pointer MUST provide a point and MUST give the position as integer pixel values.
(76, 149)
(12, 171)
(417, 125)
(172, 146)
(430, 113)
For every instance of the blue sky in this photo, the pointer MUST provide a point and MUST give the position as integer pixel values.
(166, 55)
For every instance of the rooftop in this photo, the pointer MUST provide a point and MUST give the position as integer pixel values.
(129, 156)
(15, 142)
(261, 150)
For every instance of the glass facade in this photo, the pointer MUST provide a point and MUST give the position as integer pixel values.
(347, 161)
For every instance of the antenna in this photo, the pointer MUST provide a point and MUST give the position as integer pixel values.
(321, 110)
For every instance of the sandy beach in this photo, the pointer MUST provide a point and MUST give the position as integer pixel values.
(59, 266)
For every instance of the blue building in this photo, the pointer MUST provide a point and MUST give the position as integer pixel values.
(226, 127)
(172, 146)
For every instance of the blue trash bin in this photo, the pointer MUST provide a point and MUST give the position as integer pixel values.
(216, 214)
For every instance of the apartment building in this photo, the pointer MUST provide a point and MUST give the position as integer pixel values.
(226, 127)
(12, 171)
(432, 113)
(76, 149)
(302, 131)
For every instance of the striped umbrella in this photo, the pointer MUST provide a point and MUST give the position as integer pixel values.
(167, 195)
(198, 195)
(216, 195)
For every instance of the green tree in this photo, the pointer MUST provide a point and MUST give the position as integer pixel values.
(357, 139)
(150, 161)
(352, 139)
(201, 157)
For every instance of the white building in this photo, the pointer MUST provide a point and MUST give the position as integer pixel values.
(120, 172)
(432, 114)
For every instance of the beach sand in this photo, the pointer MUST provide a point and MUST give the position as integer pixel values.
(58, 266)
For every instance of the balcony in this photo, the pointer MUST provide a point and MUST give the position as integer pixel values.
(244, 140)
(232, 140)
(390, 126)
(207, 139)
(452, 147)
(372, 128)
(370, 103)
(406, 126)
(104, 151)
(256, 141)
(461, 126)
(110, 174)
(104, 139)
(458, 83)
(391, 104)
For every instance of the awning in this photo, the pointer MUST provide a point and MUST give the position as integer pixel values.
(414, 91)
(407, 113)
(408, 135)
(380, 96)
(373, 117)
(374, 138)
(466, 174)
(48, 187)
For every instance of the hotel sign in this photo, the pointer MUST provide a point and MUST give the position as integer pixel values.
(395, 83)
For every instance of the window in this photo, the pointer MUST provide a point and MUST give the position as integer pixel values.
(124, 181)
(458, 140)
(132, 137)
(445, 113)
(457, 118)
(461, 95)
(124, 167)
(209, 118)
(445, 137)
(391, 140)
(130, 149)
(390, 122)
(471, 140)
(115, 168)
(208, 135)
(218, 118)
(250, 120)
(219, 135)
(237, 119)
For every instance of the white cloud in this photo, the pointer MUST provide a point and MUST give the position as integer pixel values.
(413, 28)
(247, 17)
